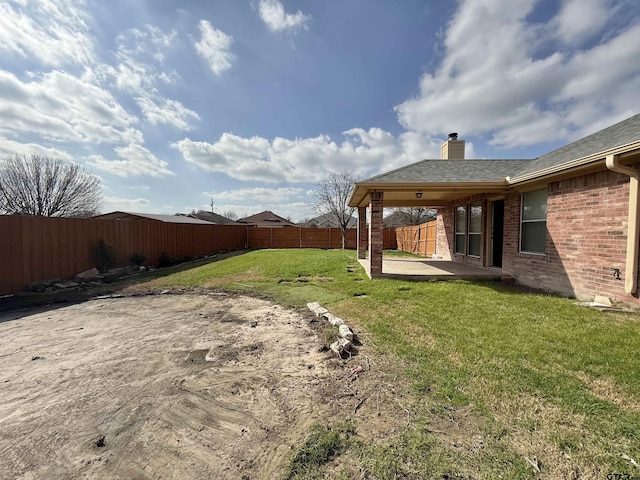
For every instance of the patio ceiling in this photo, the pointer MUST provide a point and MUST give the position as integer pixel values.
(433, 194)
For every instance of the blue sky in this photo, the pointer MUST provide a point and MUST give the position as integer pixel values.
(249, 102)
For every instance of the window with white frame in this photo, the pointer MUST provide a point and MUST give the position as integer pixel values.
(475, 230)
(461, 229)
(533, 222)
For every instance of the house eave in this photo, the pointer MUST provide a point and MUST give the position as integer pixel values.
(595, 160)
(432, 193)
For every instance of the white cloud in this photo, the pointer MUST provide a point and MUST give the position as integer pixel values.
(11, 147)
(528, 89)
(214, 47)
(134, 160)
(251, 196)
(142, 186)
(273, 15)
(54, 32)
(61, 107)
(580, 19)
(139, 71)
(112, 203)
(150, 40)
(157, 109)
(308, 159)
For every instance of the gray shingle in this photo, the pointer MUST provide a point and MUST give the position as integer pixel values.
(470, 171)
(120, 215)
(622, 133)
(452, 171)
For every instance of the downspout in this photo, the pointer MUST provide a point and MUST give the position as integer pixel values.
(633, 225)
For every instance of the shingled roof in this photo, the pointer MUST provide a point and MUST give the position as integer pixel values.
(452, 171)
(211, 217)
(120, 215)
(617, 135)
(441, 180)
(266, 219)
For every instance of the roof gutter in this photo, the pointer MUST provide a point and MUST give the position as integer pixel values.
(633, 223)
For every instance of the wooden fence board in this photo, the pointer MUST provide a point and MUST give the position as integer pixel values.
(38, 248)
(16, 255)
(420, 239)
(6, 266)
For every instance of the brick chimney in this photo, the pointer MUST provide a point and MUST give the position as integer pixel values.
(452, 149)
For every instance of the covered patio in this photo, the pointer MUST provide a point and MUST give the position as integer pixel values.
(443, 185)
(426, 270)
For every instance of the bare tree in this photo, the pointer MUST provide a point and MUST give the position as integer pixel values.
(330, 198)
(414, 215)
(49, 187)
(230, 214)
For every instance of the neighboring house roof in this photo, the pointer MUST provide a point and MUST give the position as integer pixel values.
(328, 220)
(267, 219)
(393, 220)
(131, 216)
(436, 181)
(211, 217)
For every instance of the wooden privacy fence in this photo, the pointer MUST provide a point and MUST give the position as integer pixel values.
(309, 238)
(419, 239)
(41, 248)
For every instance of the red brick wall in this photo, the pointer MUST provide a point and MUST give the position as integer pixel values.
(375, 234)
(586, 238)
(445, 233)
(363, 235)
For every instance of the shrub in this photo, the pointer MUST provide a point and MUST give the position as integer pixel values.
(138, 259)
(165, 260)
(104, 255)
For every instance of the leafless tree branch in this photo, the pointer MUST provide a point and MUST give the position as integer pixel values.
(49, 187)
(415, 215)
(330, 197)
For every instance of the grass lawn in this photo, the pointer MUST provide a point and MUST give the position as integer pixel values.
(538, 379)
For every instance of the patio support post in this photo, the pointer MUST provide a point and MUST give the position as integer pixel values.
(375, 234)
(633, 222)
(362, 232)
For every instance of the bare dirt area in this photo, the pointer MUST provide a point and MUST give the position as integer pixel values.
(193, 385)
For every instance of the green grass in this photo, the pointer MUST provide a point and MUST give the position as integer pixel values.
(539, 376)
(321, 445)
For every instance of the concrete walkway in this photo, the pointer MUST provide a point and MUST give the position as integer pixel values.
(422, 269)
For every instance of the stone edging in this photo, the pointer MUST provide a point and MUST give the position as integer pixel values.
(346, 334)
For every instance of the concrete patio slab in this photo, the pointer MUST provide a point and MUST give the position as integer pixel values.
(422, 269)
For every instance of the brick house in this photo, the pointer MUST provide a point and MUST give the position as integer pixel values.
(565, 222)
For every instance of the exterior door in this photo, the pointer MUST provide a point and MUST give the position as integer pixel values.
(497, 232)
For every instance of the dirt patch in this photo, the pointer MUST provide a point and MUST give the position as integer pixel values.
(171, 386)
(606, 389)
